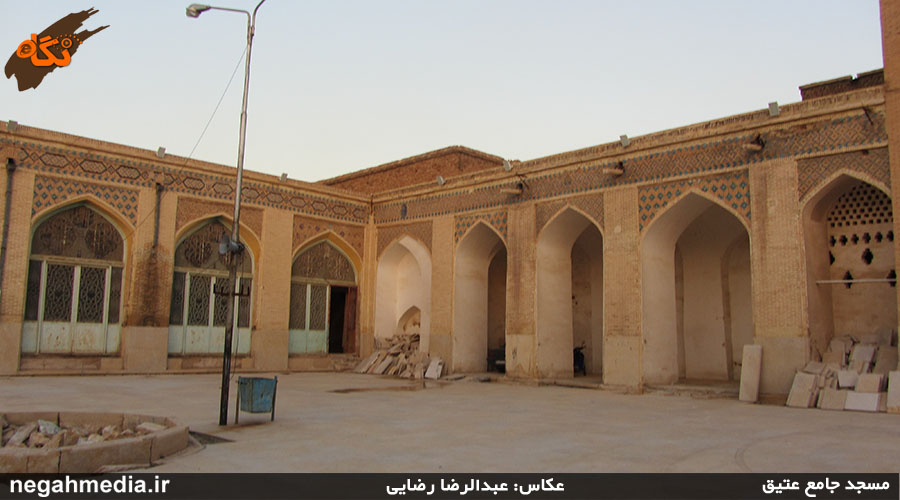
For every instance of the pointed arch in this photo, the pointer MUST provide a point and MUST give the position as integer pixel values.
(250, 239)
(701, 194)
(695, 258)
(570, 208)
(403, 279)
(474, 296)
(336, 241)
(198, 308)
(845, 218)
(78, 252)
(569, 298)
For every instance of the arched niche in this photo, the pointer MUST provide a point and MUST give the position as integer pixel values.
(849, 244)
(569, 294)
(403, 280)
(479, 298)
(696, 300)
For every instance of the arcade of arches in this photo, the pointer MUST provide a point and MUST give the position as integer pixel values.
(661, 259)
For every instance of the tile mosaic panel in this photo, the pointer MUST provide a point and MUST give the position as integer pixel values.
(51, 191)
(732, 188)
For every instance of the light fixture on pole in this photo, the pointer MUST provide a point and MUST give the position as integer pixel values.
(233, 247)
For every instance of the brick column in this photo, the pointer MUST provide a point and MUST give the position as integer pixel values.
(12, 290)
(520, 293)
(776, 260)
(145, 328)
(269, 341)
(622, 343)
(368, 275)
(442, 246)
(890, 46)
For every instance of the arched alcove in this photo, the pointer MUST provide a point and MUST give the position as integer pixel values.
(849, 236)
(569, 294)
(403, 280)
(479, 298)
(696, 301)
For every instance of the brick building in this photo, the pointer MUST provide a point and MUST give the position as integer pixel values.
(663, 254)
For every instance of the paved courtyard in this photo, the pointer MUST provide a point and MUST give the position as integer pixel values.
(341, 422)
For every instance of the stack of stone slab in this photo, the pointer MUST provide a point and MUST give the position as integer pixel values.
(400, 356)
(853, 375)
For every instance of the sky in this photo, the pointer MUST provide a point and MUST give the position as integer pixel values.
(341, 85)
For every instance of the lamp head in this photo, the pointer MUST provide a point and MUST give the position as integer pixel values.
(195, 9)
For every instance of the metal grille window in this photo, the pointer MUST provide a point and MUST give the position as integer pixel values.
(74, 277)
(58, 296)
(318, 307)
(298, 306)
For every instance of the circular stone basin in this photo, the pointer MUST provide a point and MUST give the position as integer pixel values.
(160, 437)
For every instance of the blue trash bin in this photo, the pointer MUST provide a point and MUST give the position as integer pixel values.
(256, 395)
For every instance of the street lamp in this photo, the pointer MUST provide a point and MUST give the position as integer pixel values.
(232, 247)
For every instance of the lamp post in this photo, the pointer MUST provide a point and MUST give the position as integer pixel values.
(233, 246)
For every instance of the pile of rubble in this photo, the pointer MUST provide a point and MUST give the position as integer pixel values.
(853, 375)
(46, 434)
(400, 356)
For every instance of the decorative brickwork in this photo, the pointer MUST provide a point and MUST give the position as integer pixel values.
(814, 172)
(100, 167)
(828, 135)
(51, 191)
(591, 205)
(496, 219)
(420, 231)
(306, 228)
(732, 189)
(192, 209)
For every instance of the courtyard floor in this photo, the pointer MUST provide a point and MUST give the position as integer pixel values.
(342, 422)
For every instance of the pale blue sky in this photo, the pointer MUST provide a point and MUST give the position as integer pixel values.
(341, 85)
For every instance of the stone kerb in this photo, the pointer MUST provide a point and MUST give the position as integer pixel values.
(139, 451)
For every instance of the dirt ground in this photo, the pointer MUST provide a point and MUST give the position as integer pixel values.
(342, 422)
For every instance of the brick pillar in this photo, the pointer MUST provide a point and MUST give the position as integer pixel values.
(269, 341)
(442, 246)
(367, 277)
(890, 46)
(12, 290)
(622, 347)
(776, 260)
(148, 287)
(520, 293)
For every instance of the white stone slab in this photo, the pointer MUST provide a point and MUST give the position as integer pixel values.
(886, 360)
(751, 363)
(814, 367)
(834, 358)
(893, 395)
(803, 391)
(434, 369)
(864, 353)
(847, 379)
(863, 401)
(870, 382)
(841, 344)
(832, 399)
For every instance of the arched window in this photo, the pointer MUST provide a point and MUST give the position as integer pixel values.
(73, 300)
(198, 308)
(323, 301)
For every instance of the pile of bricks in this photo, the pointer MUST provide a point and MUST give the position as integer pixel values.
(853, 375)
(400, 356)
(48, 435)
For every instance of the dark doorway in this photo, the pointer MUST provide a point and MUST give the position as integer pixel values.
(336, 319)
